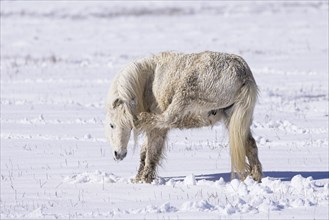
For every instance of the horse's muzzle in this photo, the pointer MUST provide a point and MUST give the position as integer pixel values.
(119, 156)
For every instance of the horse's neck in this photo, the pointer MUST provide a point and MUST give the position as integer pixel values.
(143, 73)
(145, 68)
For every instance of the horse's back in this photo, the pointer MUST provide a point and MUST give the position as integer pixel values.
(204, 66)
(211, 76)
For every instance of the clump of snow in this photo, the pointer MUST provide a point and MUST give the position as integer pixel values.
(164, 208)
(220, 182)
(93, 177)
(300, 183)
(167, 207)
(286, 125)
(202, 205)
(159, 181)
(88, 136)
(229, 209)
(190, 180)
(171, 182)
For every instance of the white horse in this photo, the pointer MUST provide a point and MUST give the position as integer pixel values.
(175, 90)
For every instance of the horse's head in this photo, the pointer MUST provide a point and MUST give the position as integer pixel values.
(118, 126)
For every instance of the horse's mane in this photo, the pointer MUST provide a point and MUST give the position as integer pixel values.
(129, 86)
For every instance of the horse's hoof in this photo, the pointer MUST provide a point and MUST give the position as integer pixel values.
(257, 173)
(257, 177)
(135, 180)
(139, 180)
(147, 179)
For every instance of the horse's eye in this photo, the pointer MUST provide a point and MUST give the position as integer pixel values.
(111, 125)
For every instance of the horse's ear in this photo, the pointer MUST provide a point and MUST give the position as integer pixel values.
(116, 103)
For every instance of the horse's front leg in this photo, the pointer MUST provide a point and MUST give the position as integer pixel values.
(154, 148)
(140, 172)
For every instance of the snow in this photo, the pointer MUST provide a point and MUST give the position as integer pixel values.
(58, 59)
(190, 180)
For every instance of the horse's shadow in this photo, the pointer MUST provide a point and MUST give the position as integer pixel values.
(282, 175)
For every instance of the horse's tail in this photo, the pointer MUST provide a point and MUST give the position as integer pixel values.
(239, 126)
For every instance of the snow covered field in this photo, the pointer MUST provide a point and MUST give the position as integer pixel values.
(58, 59)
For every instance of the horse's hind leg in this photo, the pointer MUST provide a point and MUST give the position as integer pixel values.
(167, 119)
(155, 141)
(255, 167)
(252, 155)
